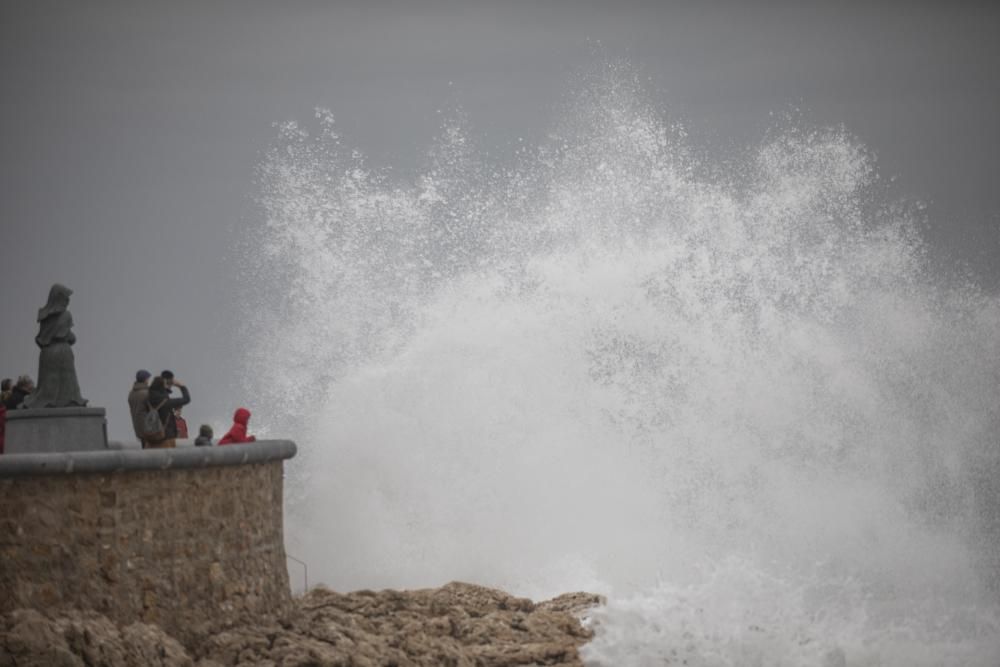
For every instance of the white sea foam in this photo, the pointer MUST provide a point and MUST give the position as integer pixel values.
(736, 400)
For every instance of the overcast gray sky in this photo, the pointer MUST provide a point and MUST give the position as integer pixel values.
(130, 131)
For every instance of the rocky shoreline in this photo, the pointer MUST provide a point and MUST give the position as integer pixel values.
(459, 625)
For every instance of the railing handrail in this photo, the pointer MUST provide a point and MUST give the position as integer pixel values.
(305, 570)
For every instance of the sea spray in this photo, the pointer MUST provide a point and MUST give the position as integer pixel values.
(736, 399)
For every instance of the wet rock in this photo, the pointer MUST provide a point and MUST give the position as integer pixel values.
(459, 625)
(572, 603)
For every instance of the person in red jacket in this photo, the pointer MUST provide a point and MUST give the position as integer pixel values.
(238, 433)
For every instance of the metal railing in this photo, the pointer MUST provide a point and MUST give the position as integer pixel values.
(305, 571)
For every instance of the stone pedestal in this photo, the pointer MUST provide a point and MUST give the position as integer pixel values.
(51, 430)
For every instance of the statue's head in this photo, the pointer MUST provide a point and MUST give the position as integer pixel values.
(58, 301)
(60, 294)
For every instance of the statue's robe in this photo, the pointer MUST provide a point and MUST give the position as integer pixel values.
(57, 384)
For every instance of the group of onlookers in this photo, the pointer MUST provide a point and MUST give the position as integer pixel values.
(156, 415)
(12, 394)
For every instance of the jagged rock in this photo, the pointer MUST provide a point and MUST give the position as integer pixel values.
(149, 645)
(93, 637)
(84, 639)
(28, 639)
(457, 625)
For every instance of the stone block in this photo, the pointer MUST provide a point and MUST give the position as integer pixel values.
(50, 430)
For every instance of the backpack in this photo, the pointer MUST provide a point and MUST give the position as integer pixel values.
(153, 428)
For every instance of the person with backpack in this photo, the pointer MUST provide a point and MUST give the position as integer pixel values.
(159, 427)
(137, 399)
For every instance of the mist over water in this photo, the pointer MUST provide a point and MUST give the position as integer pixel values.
(735, 398)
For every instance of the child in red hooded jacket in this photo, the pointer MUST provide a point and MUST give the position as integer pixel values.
(238, 433)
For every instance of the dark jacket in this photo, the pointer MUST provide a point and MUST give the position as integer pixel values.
(159, 400)
(17, 396)
(137, 406)
(238, 433)
(203, 441)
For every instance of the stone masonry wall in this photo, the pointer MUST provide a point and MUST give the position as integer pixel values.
(186, 549)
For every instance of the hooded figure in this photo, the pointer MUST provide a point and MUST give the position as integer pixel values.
(238, 433)
(57, 383)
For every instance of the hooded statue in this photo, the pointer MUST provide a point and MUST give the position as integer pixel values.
(57, 383)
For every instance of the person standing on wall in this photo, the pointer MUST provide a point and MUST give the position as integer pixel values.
(159, 400)
(137, 399)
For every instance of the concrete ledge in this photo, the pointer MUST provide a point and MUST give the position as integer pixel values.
(103, 461)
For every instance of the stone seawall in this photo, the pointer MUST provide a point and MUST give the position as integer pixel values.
(185, 539)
